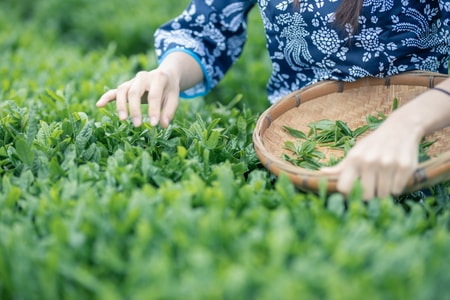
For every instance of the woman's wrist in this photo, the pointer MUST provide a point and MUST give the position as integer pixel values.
(426, 113)
(183, 68)
(442, 90)
(406, 123)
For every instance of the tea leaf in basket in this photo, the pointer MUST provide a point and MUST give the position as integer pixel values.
(322, 131)
(333, 160)
(375, 121)
(344, 128)
(344, 143)
(360, 130)
(303, 163)
(423, 148)
(324, 124)
(305, 154)
(335, 135)
(295, 133)
(395, 104)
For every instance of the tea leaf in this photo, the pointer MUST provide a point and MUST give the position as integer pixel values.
(213, 139)
(360, 130)
(84, 136)
(24, 150)
(395, 104)
(32, 127)
(344, 127)
(295, 133)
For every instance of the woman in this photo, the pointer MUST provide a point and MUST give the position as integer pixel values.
(309, 41)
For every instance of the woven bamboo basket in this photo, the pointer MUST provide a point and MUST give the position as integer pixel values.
(350, 102)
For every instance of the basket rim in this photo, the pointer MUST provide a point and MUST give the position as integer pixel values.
(428, 173)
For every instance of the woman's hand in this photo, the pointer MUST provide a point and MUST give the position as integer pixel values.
(385, 159)
(158, 88)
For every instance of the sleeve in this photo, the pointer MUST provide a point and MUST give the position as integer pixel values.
(213, 32)
(444, 6)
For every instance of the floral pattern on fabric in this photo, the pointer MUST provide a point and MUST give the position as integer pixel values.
(305, 46)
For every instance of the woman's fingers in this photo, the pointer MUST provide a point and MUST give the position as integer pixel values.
(166, 91)
(170, 107)
(156, 96)
(369, 179)
(401, 176)
(347, 178)
(379, 177)
(107, 97)
(122, 99)
(382, 183)
(140, 84)
(155, 88)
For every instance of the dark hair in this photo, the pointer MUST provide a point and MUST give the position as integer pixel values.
(347, 13)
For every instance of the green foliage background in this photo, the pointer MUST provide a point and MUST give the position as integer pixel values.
(92, 208)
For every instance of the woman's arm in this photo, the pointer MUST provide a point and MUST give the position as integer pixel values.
(434, 106)
(385, 159)
(159, 88)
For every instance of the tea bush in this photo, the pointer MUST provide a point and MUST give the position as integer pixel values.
(93, 208)
(92, 24)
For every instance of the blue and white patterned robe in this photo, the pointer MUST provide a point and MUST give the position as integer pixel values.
(304, 44)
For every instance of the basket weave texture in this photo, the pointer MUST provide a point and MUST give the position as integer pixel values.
(350, 102)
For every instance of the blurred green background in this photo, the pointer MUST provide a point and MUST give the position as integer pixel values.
(128, 26)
